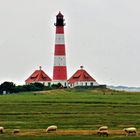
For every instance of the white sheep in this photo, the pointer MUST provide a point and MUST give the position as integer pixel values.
(103, 131)
(51, 128)
(1, 129)
(103, 128)
(130, 130)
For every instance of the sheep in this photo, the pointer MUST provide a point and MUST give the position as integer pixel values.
(16, 131)
(130, 130)
(1, 129)
(51, 128)
(103, 131)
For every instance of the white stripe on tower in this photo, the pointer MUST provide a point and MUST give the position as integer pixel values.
(59, 39)
(60, 60)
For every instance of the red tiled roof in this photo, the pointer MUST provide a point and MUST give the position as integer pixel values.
(81, 75)
(38, 76)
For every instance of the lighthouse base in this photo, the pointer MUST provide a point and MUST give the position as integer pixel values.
(63, 83)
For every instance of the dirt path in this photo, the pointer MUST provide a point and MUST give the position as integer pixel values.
(39, 132)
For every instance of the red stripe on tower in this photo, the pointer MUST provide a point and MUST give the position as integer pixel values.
(59, 50)
(60, 68)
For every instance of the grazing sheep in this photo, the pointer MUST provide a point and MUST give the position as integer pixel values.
(16, 131)
(51, 128)
(130, 131)
(1, 129)
(103, 131)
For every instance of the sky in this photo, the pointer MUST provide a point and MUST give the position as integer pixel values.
(101, 35)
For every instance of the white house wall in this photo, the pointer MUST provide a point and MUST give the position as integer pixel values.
(85, 83)
(46, 83)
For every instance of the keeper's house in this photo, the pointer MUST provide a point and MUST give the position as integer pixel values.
(81, 78)
(39, 76)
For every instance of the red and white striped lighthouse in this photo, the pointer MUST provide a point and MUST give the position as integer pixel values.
(60, 68)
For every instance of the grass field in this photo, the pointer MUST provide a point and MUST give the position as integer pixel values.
(69, 138)
(69, 110)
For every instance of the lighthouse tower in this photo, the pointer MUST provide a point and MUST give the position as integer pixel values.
(60, 68)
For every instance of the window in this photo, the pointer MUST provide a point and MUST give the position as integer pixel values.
(91, 84)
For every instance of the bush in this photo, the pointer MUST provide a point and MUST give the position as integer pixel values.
(7, 87)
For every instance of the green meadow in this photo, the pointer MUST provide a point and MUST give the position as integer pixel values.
(77, 109)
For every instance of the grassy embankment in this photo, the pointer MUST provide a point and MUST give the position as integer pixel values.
(70, 109)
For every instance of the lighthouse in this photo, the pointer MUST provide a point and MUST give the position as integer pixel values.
(60, 68)
(80, 78)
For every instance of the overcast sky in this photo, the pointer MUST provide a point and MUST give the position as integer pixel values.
(101, 35)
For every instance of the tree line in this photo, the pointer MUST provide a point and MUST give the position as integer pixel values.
(10, 87)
